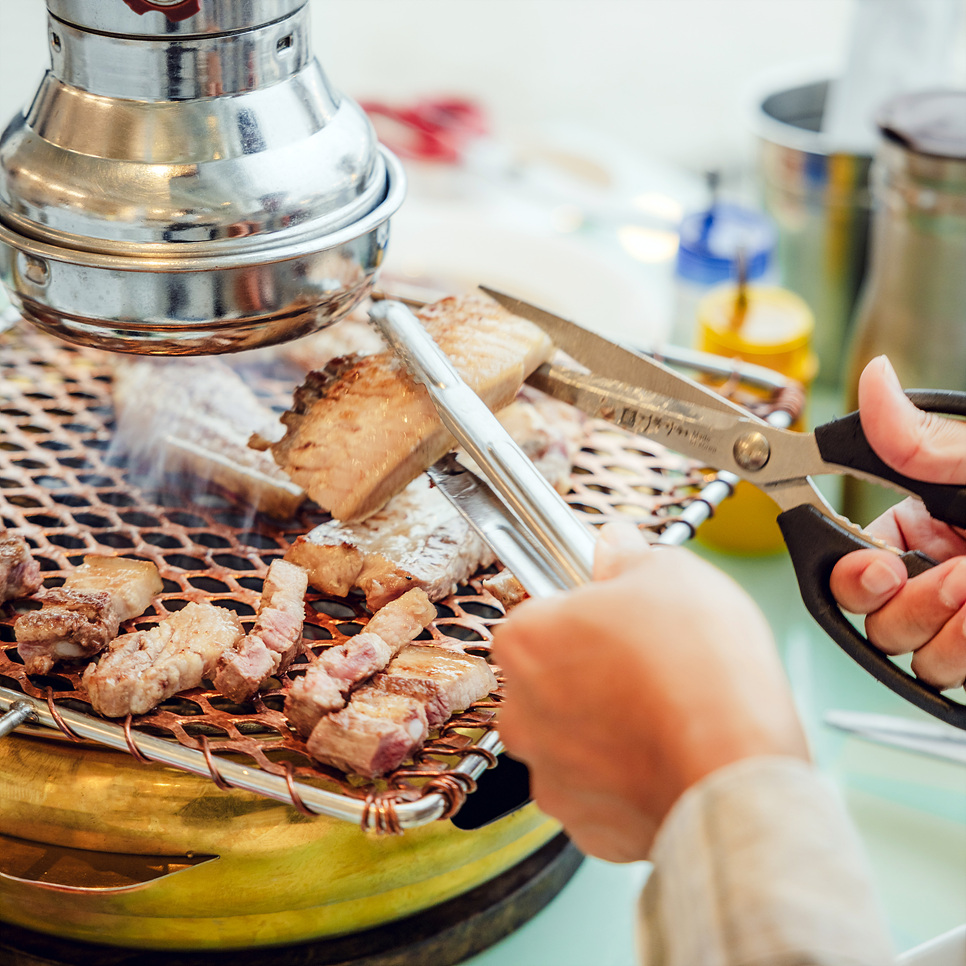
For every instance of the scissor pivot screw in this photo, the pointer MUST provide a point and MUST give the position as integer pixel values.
(751, 451)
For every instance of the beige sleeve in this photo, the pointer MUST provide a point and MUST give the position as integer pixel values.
(759, 865)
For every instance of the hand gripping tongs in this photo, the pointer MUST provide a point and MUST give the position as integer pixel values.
(647, 398)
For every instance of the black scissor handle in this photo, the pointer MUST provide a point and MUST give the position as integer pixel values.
(816, 543)
(842, 441)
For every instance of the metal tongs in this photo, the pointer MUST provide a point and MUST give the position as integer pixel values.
(648, 398)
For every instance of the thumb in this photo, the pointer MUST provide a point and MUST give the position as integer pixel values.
(619, 547)
(922, 445)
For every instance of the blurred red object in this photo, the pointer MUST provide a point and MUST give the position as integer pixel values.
(435, 129)
(173, 11)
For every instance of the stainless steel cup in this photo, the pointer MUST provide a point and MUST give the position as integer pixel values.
(819, 199)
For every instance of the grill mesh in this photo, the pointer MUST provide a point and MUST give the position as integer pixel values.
(69, 493)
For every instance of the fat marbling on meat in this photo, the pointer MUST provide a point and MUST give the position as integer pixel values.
(19, 572)
(81, 617)
(143, 668)
(388, 719)
(327, 682)
(360, 431)
(419, 539)
(275, 639)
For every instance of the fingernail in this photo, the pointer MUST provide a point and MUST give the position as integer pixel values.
(890, 372)
(952, 590)
(879, 579)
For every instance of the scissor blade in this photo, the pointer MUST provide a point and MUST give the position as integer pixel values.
(605, 358)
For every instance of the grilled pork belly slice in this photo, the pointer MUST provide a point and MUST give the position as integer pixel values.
(80, 618)
(506, 588)
(359, 432)
(195, 416)
(443, 681)
(143, 668)
(338, 669)
(419, 539)
(276, 638)
(371, 736)
(19, 572)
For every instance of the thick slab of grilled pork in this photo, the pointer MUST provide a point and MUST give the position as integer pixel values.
(276, 638)
(195, 416)
(389, 719)
(337, 670)
(360, 431)
(419, 539)
(19, 572)
(80, 618)
(444, 681)
(143, 668)
(375, 733)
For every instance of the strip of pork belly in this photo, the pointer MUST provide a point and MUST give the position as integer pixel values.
(195, 416)
(372, 735)
(419, 539)
(360, 433)
(80, 618)
(143, 668)
(330, 678)
(443, 681)
(275, 639)
(19, 572)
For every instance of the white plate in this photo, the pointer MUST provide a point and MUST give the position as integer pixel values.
(456, 248)
(949, 949)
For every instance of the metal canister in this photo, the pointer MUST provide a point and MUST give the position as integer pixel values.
(913, 305)
(819, 198)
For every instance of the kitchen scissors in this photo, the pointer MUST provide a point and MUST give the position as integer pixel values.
(646, 397)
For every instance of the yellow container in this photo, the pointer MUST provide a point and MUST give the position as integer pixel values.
(773, 330)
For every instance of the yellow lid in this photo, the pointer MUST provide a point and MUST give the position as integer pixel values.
(773, 330)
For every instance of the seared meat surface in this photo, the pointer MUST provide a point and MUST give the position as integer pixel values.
(337, 670)
(387, 720)
(80, 618)
(361, 430)
(419, 539)
(143, 668)
(372, 735)
(19, 572)
(275, 640)
(444, 681)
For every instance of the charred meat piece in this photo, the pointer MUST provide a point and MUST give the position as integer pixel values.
(389, 719)
(337, 670)
(419, 539)
(359, 432)
(275, 640)
(505, 587)
(19, 572)
(311, 697)
(372, 735)
(80, 618)
(143, 668)
(195, 417)
(443, 681)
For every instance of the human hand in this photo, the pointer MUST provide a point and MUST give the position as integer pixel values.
(623, 693)
(925, 614)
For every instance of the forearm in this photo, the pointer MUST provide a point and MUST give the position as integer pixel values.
(758, 864)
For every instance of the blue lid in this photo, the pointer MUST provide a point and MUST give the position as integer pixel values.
(711, 240)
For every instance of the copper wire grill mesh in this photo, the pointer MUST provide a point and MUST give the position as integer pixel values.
(65, 489)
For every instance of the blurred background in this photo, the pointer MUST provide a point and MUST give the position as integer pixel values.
(556, 147)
